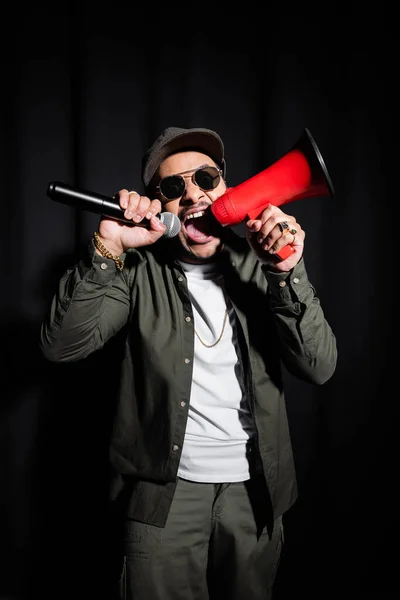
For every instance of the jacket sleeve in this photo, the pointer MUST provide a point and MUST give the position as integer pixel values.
(308, 344)
(91, 305)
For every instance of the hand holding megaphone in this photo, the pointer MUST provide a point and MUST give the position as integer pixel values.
(300, 173)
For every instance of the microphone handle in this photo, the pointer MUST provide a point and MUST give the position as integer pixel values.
(107, 206)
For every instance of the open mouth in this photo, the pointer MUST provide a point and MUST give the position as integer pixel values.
(200, 226)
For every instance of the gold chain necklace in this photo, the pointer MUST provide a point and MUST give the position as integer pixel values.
(220, 335)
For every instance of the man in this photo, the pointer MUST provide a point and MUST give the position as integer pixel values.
(200, 448)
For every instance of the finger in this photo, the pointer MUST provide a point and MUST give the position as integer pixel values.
(137, 206)
(142, 207)
(289, 236)
(128, 201)
(156, 224)
(253, 225)
(123, 198)
(153, 209)
(273, 226)
(283, 226)
(269, 233)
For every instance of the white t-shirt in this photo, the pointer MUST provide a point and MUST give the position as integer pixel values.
(219, 422)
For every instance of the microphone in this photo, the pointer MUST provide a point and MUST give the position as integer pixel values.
(107, 206)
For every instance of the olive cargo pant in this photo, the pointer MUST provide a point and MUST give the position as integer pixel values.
(210, 549)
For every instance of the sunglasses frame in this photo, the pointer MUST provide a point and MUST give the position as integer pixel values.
(192, 177)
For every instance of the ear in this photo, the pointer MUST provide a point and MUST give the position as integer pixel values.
(223, 168)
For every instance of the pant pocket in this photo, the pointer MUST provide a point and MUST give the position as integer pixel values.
(141, 540)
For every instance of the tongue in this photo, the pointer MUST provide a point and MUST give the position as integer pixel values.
(198, 229)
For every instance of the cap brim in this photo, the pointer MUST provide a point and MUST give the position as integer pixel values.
(201, 140)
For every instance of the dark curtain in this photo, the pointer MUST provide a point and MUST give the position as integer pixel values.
(85, 90)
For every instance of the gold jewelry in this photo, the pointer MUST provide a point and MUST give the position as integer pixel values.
(283, 226)
(292, 231)
(220, 335)
(106, 253)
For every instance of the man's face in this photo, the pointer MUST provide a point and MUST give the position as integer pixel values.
(200, 233)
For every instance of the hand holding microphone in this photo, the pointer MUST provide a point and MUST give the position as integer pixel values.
(150, 228)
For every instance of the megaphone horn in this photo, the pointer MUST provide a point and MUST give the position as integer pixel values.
(300, 173)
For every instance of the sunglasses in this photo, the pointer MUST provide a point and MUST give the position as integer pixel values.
(173, 187)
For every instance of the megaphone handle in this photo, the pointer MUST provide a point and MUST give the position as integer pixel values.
(285, 252)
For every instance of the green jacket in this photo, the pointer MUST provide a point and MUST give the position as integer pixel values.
(280, 320)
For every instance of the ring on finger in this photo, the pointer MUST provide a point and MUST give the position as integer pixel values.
(290, 232)
(283, 226)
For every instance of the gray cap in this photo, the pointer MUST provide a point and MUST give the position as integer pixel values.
(175, 139)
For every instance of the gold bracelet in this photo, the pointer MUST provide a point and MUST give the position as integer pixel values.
(106, 253)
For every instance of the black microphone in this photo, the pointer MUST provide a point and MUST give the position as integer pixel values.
(107, 206)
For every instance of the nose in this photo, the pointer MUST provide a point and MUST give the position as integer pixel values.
(192, 194)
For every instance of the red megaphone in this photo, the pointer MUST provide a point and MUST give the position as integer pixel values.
(300, 173)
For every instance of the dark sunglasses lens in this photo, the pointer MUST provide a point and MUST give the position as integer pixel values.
(172, 187)
(207, 178)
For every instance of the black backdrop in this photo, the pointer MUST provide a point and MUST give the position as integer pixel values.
(85, 89)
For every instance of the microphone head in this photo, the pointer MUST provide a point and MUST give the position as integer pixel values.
(172, 224)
